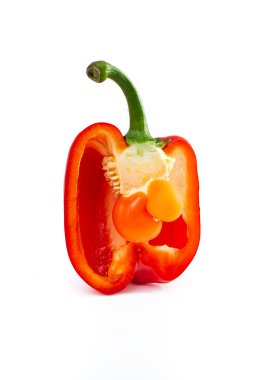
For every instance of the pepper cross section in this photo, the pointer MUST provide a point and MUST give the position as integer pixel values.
(131, 203)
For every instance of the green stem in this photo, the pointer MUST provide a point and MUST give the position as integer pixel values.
(138, 131)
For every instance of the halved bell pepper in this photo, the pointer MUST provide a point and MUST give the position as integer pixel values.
(131, 203)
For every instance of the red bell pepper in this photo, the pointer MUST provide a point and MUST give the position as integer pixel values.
(131, 203)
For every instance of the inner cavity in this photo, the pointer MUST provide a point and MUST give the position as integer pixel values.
(173, 234)
(94, 201)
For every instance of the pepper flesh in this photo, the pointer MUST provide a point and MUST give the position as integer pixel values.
(103, 247)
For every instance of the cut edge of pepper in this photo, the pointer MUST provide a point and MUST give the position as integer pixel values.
(122, 257)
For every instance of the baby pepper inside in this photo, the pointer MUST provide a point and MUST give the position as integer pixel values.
(131, 203)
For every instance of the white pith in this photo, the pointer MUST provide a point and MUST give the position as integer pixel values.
(133, 169)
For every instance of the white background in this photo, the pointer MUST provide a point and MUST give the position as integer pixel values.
(192, 62)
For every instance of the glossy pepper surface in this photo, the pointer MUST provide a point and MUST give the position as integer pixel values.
(131, 203)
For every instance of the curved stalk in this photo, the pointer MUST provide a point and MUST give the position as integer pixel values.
(138, 131)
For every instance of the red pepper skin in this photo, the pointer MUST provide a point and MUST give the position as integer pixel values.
(99, 255)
